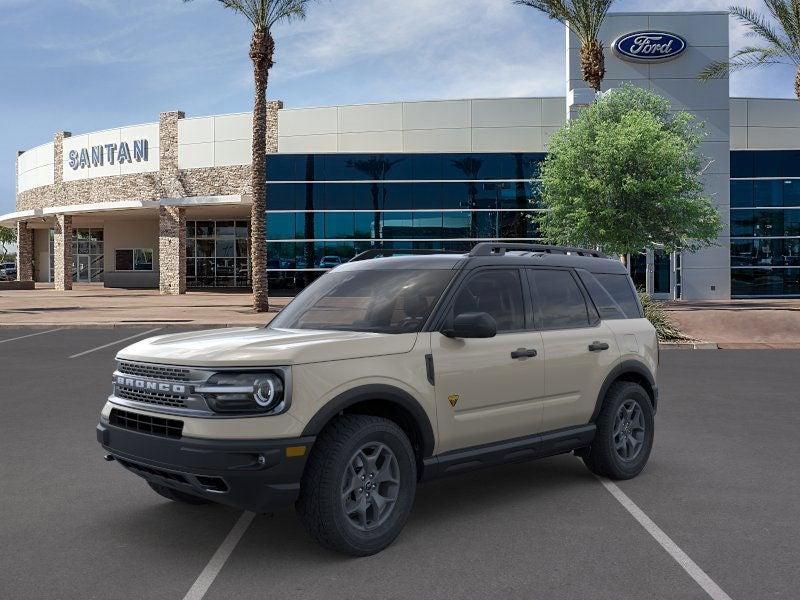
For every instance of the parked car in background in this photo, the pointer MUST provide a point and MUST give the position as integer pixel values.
(8, 271)
(328, 262)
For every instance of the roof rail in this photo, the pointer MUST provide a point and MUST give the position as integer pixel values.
(500, 248)
(383, 252)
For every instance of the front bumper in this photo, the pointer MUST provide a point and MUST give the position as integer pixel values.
(255, 475)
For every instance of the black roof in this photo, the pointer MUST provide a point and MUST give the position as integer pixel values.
(485, 254)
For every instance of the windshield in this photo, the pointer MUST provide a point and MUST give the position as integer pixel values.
(390, 301)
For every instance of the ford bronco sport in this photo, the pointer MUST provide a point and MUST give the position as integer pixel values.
(388, 371)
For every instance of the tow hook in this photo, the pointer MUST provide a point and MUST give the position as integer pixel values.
(109, 457)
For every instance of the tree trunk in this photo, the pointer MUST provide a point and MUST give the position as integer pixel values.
(593, 64)
(797, 84)
(262, 47)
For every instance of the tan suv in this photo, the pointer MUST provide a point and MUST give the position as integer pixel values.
(388, 371)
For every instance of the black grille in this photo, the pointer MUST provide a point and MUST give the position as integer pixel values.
(154, 371)
(171, 428)
(143, 470)
(159, 398)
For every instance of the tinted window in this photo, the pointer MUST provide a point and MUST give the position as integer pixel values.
(619, 287)
(559, 300)
(497, 292)
(381, 301)
(605, 304)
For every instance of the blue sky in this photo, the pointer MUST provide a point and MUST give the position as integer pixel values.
(84, 65)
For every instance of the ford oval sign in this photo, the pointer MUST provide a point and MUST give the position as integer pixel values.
(649, 46)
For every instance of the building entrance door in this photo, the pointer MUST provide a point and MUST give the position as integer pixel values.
(83, 269)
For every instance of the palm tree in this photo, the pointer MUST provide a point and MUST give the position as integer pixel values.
(262, 15)
(780, 41)
(584, 19)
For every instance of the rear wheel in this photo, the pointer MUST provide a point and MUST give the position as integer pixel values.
(624, 435)
(359, 485)
(176, 495)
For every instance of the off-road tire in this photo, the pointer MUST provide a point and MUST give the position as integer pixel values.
(176, 495)
(601, 457)
(319, 505)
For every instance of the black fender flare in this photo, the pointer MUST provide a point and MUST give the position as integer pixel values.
(625, 367)
(387, 393)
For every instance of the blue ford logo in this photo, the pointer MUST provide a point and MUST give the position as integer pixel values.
(649, 46)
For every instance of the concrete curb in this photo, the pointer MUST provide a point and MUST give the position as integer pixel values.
(690, 345)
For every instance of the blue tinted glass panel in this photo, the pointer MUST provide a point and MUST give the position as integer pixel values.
(791, 192)
(426, 166)
(790, 165)
(765, 282)
(427, 224)
(309, 225)
(768, 193)
(791, 222)
(282, 196)
(365, 225)
(741, 194)
(341, 251)
(280, 226)
(515, 195)
(485, 194)
(398, 225)
(742, 223)
(485, 225)
(281, 167)
(397, 196)
(339, 225)
(513, 224)
(742, 164)
(426, 195)
(455, 195)
(366, 196)
(456, 224)
(768, 163)
(339, 196)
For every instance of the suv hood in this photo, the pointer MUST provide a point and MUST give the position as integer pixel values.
(257, 346)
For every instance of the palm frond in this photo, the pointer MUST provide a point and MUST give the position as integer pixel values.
(583, 17)
(745, 58)
(784, 13)
(759, 26)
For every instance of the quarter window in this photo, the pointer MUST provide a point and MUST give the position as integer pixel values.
(497, 292)
(560, 301)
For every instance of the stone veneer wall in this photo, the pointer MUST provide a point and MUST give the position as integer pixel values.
(62, 250)
(24, 252)
(169, 182)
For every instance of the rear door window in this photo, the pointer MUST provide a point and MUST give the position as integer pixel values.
(558, 299)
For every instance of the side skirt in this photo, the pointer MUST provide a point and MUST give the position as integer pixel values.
(529, 447)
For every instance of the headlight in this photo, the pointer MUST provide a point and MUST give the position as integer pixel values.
(244, 393)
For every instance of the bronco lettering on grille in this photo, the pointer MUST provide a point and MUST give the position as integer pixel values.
(153, 386)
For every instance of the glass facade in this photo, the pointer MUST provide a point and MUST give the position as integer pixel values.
(765, 223)
(324, 209)
(217, 253)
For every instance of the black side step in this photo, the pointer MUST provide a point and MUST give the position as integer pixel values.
(525, 448)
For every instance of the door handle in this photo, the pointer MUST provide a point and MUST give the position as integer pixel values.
(523, 353)
(597, 346)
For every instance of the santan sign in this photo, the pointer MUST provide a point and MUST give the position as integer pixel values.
(649, 46)
(97, 156)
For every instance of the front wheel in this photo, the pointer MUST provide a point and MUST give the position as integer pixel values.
(359, 485)
(624, 437)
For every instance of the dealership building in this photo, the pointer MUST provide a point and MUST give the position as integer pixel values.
(167, 204)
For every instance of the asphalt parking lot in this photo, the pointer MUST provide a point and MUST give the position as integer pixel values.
(722, 483)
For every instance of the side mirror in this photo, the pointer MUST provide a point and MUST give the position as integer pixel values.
(472, 325)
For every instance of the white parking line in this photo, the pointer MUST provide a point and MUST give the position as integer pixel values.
(115, 342)
(688, 565)
(22, 337)
(214, 566)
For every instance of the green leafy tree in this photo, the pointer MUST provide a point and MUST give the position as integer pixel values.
(8, 236)
(263, 15)
(626, 175)
(584, 19)
(778, 40)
